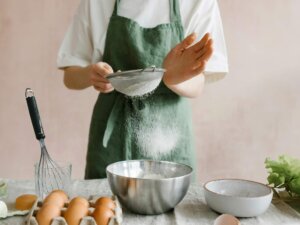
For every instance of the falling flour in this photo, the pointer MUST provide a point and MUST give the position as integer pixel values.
(156, 141)
(156, 136)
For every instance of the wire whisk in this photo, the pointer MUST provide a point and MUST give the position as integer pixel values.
(49, 175)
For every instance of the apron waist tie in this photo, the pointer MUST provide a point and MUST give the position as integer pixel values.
(112, 119)
(121, 103)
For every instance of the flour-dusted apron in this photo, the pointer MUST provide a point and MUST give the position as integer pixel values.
(157, 126)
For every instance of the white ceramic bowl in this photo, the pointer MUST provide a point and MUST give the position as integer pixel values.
(241, 198)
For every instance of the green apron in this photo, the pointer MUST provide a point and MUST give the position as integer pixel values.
(157, 126)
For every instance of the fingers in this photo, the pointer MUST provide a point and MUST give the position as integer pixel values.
(202, 61)
(203, 56)
(97, 77)
(102, 69)
(206, 54)
(108, 68)
(103, 87)
(200, 44)
(208, 48)
(188, 41)
(103, 91)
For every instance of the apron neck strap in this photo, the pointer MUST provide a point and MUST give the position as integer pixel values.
(174, 10)
(115, 12)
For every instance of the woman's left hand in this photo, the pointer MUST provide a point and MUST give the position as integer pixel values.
(186, 61)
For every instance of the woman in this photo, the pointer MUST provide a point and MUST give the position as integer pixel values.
(106, 36)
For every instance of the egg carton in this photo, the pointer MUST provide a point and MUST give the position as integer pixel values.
(87, 220)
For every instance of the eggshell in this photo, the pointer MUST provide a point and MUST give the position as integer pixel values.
(25, 202)
(105, 201)
(3, 210)
(61, 192)
(226, 219)
(75, 212)
(79, 200)
(47, 213)
(102, 215)
(57, 197)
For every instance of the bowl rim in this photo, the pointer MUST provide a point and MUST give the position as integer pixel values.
(156, 179)
(235, 196)
(145, 70)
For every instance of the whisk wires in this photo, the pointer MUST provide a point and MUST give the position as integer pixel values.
(49, 174)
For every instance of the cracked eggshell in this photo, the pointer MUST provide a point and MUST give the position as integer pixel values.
(3, 210)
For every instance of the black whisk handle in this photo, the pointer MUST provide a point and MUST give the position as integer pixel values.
(34, 114)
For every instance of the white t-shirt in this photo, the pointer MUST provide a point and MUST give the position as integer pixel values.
(85, 39)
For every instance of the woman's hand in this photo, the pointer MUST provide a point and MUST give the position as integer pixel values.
(184, 61)
(97, 77)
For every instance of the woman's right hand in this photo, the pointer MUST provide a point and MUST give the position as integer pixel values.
(98, 74)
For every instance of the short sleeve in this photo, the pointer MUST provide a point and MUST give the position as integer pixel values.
(208, 19)
(76, 48)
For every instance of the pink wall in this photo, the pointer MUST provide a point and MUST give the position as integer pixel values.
(252, 114)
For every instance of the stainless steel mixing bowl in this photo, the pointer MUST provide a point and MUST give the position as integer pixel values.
(149, 187)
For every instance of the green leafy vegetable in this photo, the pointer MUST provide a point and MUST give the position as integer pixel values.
(295, 186)
(284, 173)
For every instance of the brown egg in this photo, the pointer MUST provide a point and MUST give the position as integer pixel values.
(105, 201)
(102, 215)
(75, 212)
(47, 213)
(25, 202)
(61, 192)
(79, 200)
(57, 197)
